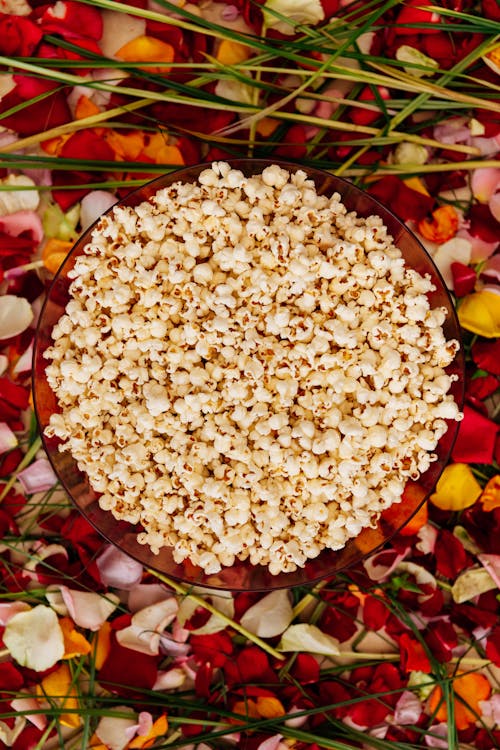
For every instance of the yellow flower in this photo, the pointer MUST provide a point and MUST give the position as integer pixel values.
(480, 313)
(456, 489)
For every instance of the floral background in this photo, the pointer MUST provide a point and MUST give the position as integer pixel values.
(402, 97)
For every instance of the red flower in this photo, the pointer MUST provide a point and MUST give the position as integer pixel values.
(375, 613)
(413, 655)
(339, 617)
(486, 355)
(441, 639)
(72, 20)
(251, 665)
(451, 557)
(126, 671)
(305, 669)
(476, 439)
(385, 680)
(18, 35)
(405, 202)
(215, 649)
(493, 646)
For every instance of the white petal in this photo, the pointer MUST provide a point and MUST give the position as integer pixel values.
(119, 29)
(8, 734)
(34, 638)
(89, 610)
(9, 609)
(143, 633)
(456, 250)
(112, 731)
(270, 616)
(18, 200)
(305, 12)
(309, 638)
(471, 583)
(93, 205)
(223, 601)
(408, 708)
(170, 680)
(117, 569)
(15, 315)
(145, 594)
(23, 364)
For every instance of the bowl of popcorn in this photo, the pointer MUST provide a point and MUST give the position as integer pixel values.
(248, 375)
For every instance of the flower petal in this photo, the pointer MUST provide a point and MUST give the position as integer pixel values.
(485, 181)
(276, 13)
(89, 610)
(480, 313)
(270, 616)
(93, 205)
(456, 250)
(111, 730)
(143, 634)
(223, 601)
(34, 638)
(408, 708)
(30, 703)
(309, 638)
(12, 201)
(8, 439)
(9, 609)
(15, 315)
(37, 477)
(472, 583)
(117, 569)
(456, 489)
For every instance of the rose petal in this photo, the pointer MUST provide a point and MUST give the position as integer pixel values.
(37, 477)
(472, 583)
(437, 736)
(457, 488)
(456, 250)
(112, 731)
(15, 315)
(18, 200)
(8, 440)
(9, 609)
(382, 564)
(272, 743)
(118, 29)
(494, 204)
(270, 616)
(309, 638)
(480, 313)
(491, 709)
(34, 638)
(30, 704)
(485, 181)
(24, 362)
(93, 205)
(480, 249)
(144, 594)
(476, 437)
(88, 610)
(408, 708)
(143, 634)
(118, 570)
(276, 13)
(491, 563)
(170, 680)
(223, 601)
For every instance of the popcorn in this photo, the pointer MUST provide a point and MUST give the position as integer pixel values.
(247, 370)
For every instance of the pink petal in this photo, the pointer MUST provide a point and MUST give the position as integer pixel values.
(428, 536)
(230, 13)
(111, 730)
(494, 205)
(30, 704)
(142, 728)
(23, 364)
(145, 594)
(9, 609)
(117, 569)
(15, 315)
(272, 743)
(87, 609)
(490, 709)
(297, 722)
(491, 268)
(381, 565)
(23, 221)
(480, 249)
(37, 477)
(452, 132)
(485, 181)
(487, 146)
(7, 438)
(437, 736)
(408, 708)
(171, 647)
(492, 564)
(39, 176)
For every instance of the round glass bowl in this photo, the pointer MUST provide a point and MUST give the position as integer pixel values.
(243, 575)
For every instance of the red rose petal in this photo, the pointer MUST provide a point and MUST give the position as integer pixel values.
(19, 36)
(464, 279)
(486, 355)
(476, 439)
(451, 557)
(405, 202)
(413, 655)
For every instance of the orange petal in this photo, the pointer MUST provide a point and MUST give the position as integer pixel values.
(158, 729)
(85, 107)
(103, 644)
(75, 644)
(490, 497)
(269, 707)
(126, 146)
(57, 687)
(470, 688)
(443, 225)
(267, 126)
(415, 183)
(160, 151)
(53, 146)
(147, 49)
(247, 708)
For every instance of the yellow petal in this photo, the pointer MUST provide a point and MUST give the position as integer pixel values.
(161, 152)
(231, 53)
(54, 253)
(490, 498)
(147, 49)
(58, 688)
(127, 146)
(456, 489)
(158, 729)
(480, 313)
(75, 644)
(415, 183)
